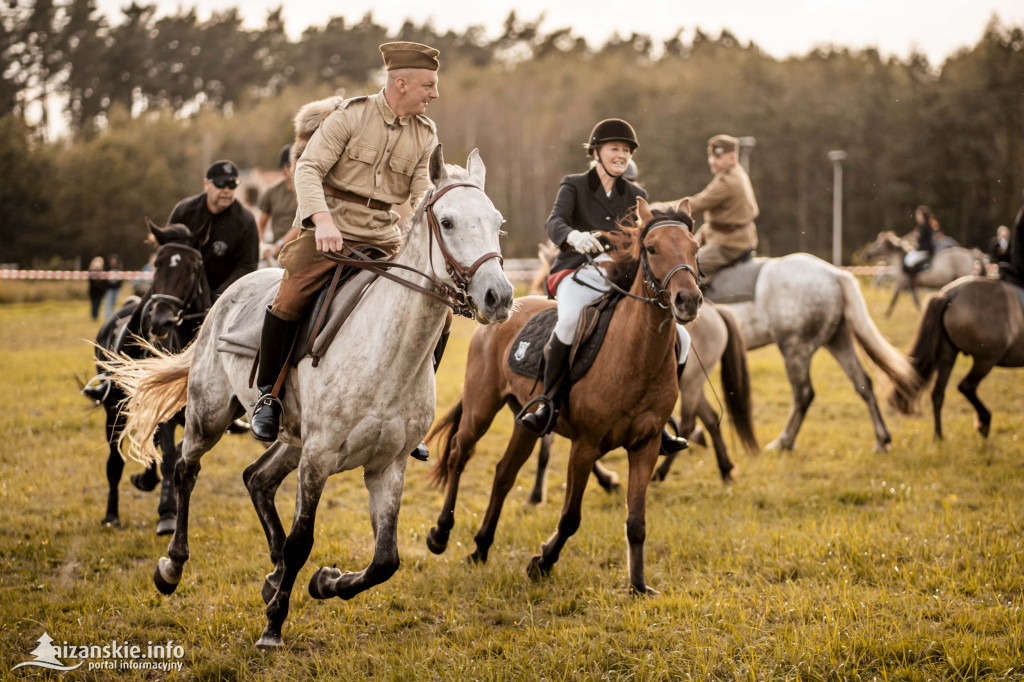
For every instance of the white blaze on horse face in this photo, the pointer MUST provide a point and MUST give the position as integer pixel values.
(175, 259)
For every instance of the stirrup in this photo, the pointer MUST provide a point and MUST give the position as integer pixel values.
(545, 428)
(98, 388)
(273, 403)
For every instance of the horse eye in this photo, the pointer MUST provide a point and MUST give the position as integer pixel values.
(446, 224)
(651, 251)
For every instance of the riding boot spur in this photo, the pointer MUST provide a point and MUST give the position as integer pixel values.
(420, 452)
(671, 444)
(275, 346)
(556, 364)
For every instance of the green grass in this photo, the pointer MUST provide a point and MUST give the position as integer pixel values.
(829, 562)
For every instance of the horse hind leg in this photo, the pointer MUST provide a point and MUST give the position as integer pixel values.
(518, 450)
(969, 387)
(385, 487)
(296, 549)
(712, 420)
(543, 458)
(945, 360)
(115, 468)
(262, 479)
(842, 349)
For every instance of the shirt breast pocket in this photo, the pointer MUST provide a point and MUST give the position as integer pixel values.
(399, 180)
(357, 166)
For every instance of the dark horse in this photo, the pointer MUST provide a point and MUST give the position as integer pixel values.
(168, 315)
(977, 316)
(622, 401)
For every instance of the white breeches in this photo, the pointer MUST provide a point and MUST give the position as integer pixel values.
(571, 296)
(914, 258)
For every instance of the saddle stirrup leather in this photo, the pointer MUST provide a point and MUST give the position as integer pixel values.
(542, 421)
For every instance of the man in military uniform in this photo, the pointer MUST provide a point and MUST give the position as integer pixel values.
(232, 248)
(278, 205)
(729, 207)
(369, 154)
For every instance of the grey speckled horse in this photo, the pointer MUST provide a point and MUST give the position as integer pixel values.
(367, 404)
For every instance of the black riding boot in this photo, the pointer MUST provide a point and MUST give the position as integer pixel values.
(421, 452)
(556, 364)
(670, 444)
(275, 346)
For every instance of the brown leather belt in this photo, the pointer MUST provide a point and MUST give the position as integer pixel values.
(729, 228)
(345, 195)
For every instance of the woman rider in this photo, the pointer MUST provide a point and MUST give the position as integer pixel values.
(588, 204)
(918, 259)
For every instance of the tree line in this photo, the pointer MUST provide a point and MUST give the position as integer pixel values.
(150, 100)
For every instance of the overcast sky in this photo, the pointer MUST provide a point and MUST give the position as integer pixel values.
(781, 27)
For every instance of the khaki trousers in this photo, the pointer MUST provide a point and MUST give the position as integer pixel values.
(306, 271)
(714, 257)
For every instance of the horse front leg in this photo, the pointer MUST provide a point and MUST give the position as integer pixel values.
(895, 294)
(543, 457)
(168, 501)
(798, 370)
(969, 387)
(385, 487)
(641, 464)
(262, 478)
(943, 368)
(518, 450)
(296, 549)
(711, 421)
(581, 462)
(115, 467)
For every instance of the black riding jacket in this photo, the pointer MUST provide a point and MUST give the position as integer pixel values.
(234, 243)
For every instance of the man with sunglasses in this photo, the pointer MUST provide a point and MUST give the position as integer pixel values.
(232, 248)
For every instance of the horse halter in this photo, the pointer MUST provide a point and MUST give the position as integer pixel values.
(658, 288)
(453, 297)
(180, 305)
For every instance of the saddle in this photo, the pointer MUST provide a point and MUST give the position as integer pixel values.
(318, 326)
(735, 283)
(526, 356)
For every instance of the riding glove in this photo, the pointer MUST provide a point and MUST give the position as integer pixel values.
(584, 242)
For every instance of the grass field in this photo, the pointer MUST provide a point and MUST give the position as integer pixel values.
(829, 562)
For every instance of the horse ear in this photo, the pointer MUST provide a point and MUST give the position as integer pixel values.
(202, 235)
(643, 211)
(684, 207)
(438, 173)
(476, 168)
(157, 232)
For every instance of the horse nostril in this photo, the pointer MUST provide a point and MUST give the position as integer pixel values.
(491, 299)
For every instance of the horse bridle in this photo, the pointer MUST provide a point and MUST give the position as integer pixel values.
(658, 288)
(454, 297)
(179, 305)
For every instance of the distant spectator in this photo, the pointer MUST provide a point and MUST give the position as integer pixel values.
(113, 285)
(999, 247)
(279, 206)
(97, 286)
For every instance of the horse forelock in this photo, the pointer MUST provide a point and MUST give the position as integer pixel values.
(626, 244)
(456, 174)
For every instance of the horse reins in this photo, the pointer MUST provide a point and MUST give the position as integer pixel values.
(454, 297)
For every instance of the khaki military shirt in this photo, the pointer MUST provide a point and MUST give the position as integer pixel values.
(363, 147)
(728, 201)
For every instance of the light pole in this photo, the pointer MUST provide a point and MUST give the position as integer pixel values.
(836, 156)
(746, 144)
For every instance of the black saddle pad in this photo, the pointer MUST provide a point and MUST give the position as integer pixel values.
(526, 356)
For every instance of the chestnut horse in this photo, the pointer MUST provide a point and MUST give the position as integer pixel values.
(623, 400)
(977, 316)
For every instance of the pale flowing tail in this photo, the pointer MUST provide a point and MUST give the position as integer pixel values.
(881, 352)
(156, 387)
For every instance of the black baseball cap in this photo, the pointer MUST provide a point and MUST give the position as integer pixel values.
(222, 170)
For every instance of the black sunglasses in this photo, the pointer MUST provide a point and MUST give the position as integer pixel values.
(230, 183)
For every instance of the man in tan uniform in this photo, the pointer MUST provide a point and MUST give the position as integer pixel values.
(729, 208)
(369, 154)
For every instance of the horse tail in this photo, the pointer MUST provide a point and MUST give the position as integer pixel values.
(736, 383)
(924, 350)
(881, 352)
(156, 388)
(442, 432)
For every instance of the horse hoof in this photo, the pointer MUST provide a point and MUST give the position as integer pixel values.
(269, 588)
(613, 486)
(434, 542)
(983, 429)
(112, 521)
(658, 476)
(536, 569)
(645, 591)
(164, 585)
(476, 558)
(269, 641)
(318, 582)
(143, 482)
(166, 526)
(534, 500)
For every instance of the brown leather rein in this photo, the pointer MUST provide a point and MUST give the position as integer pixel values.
(452, 296)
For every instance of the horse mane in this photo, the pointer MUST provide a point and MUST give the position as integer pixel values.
(625, 241)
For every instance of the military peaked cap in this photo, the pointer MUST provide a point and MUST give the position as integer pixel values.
(722, 144)
(406, 55)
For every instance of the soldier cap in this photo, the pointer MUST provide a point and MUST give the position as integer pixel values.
(722, 144)
(405, 55)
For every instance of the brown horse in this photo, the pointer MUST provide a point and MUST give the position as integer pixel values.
(623, 401)
(976, 316)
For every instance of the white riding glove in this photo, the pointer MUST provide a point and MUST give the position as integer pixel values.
(584, 242)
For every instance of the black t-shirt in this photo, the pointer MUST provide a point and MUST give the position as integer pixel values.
(232, 248)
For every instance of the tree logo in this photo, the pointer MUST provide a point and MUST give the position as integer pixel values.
(46, 656)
